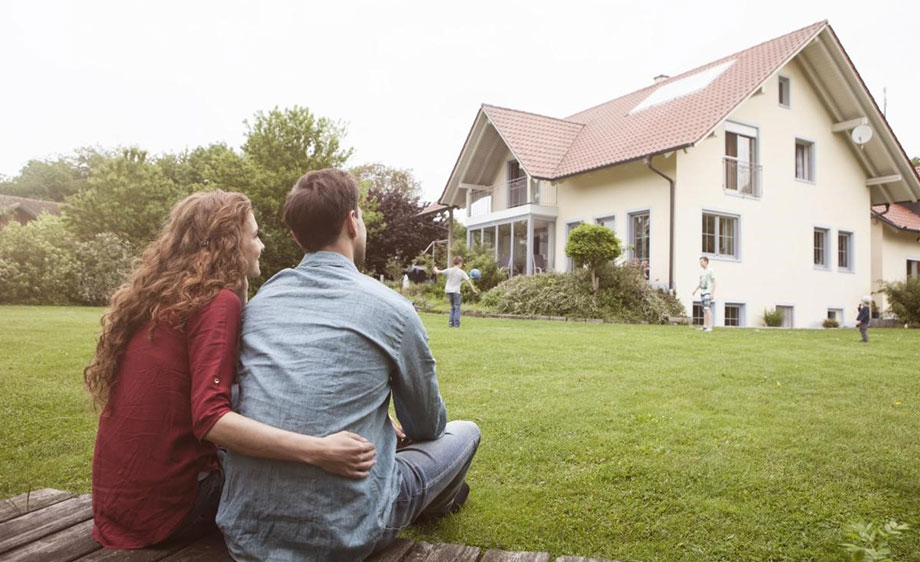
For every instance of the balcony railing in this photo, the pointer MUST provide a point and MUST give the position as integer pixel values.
(741, 177)
(517, 192)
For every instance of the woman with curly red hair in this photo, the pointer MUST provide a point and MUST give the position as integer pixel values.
(164, 365)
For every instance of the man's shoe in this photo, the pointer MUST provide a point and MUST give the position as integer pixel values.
(460, 498)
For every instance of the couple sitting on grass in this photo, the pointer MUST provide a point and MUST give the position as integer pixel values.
(315, 468)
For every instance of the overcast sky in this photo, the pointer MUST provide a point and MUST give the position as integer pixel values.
(406, 78)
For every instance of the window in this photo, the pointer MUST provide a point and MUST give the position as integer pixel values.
(845, 251)
(720, 233)
(639, 238)
(784, 91)
(788, 316)
(569, 227)
(697, 318)
(821, 248)
(835, 314)
(609, 222)
(804, 160)
(740, 161)
(734, 314)
(913, 268)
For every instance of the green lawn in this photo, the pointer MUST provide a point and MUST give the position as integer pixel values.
(629, 442)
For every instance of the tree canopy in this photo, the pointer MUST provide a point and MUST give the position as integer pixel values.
(592, 245)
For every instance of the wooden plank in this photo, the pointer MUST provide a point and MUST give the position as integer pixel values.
(33, 526)
(440, 552)
(63, 546)
(31, 501)
(208, 549)
(393, 553)
(149, 554)
(505, 556)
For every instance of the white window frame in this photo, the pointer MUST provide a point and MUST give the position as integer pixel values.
(839, 314)
(791, 308)
(916, 267)
(788, 81)
(850, 268)
(611, 217)
(718, 224)
(826, 266)
(753, 132)
(693, 317)
(569, 227)
(742, 314)
(812, 153)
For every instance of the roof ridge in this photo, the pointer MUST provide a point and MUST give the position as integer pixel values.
(564, 120)
(699, 68)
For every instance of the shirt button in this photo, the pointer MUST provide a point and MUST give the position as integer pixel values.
(216, 380)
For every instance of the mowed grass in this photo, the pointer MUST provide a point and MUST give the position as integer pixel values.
(628, 442)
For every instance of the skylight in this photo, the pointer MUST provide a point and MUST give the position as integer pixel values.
(683, 87)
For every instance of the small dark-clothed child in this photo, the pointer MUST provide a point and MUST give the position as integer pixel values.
(862, 319)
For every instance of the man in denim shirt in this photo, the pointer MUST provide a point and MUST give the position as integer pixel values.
(323, 348)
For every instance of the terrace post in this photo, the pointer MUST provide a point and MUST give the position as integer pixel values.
(530, 245)
(450, 234)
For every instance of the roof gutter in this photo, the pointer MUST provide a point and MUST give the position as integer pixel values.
(672, 183)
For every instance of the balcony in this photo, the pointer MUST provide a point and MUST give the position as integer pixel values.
(743, 178)
(486, 202)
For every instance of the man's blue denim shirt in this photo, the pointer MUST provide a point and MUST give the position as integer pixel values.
(323, 347)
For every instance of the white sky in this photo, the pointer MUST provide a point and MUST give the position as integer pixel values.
(405, 77)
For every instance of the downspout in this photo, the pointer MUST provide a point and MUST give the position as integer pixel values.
(671, 182)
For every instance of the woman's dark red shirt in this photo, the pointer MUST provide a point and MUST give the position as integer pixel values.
(150, 447)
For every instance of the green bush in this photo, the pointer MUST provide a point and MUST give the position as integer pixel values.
(904, 299)
(42, 263)
(37, 264)
(773, 318)
(623, 296)
(829, 323)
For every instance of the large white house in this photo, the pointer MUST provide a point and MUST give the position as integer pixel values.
(768, 161)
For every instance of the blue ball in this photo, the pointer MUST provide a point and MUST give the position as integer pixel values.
(475, 273)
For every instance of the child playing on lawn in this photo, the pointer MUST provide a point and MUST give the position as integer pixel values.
(455, 277)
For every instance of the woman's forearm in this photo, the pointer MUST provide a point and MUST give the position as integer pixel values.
(255, 439)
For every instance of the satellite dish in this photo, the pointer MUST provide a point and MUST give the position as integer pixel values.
(861, 134)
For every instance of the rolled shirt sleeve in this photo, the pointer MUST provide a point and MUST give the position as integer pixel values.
(418, 402)
(213, 335)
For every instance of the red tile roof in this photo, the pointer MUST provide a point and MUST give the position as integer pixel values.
(613, 133)
(32, 207)
(905, 216)
(431, 209)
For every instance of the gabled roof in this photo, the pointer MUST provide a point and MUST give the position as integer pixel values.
(904, 216)
(30, 207)
(681, 111)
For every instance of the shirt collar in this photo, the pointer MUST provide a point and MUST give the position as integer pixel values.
(324, 258)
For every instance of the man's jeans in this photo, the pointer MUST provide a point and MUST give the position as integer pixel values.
(432, 472)
(454, 309)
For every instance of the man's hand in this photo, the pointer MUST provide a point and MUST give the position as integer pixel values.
(346, 454)
(401, 439)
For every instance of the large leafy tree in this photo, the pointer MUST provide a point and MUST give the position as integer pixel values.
(128, 195)
(57, 179)
(282, 145)
(403, 234)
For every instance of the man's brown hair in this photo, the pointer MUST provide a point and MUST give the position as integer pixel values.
(458, 260)
(317, 206)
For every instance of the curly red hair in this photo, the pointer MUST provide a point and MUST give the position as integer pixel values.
(198, 253)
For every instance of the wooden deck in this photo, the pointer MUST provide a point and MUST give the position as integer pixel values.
(54, 525)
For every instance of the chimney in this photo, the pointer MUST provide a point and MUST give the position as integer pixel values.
(661, 78)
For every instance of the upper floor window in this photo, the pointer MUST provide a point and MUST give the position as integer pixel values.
(517, 184)
(804, 160)
(742, 174)
(845, 251)
(785, 94)
(821, 248)
(720, 233)
(913, 268)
